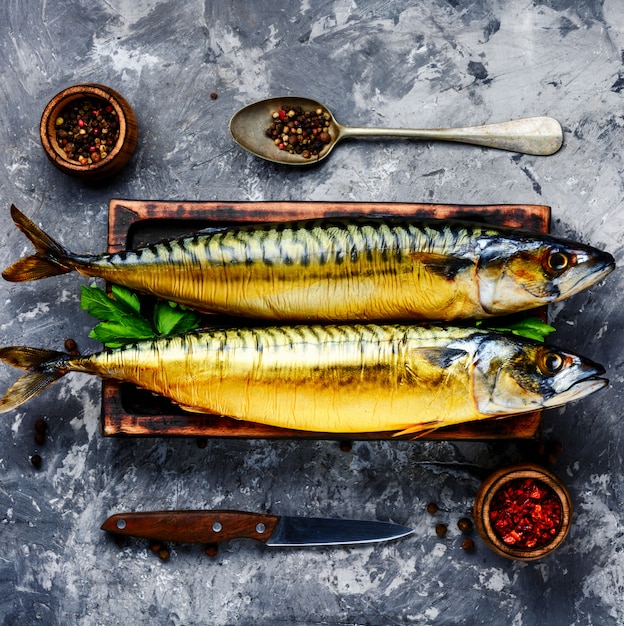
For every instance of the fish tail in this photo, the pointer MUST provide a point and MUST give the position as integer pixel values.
(51, 258)
(43, 368)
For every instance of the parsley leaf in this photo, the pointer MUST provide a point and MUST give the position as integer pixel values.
(127, 297)
(171, 318)
(529, 327)
(122, 322)
(117, 334)
(98, 304)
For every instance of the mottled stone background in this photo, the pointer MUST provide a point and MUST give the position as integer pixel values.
(374, 62)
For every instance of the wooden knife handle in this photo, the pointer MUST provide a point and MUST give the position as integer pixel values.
(193, 526)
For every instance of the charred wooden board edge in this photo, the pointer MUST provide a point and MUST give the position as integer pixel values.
(124, 215)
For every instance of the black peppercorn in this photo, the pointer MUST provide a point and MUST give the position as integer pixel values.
(35, 459)
(346, 446)
(432, 508)
(211, 549)
(440, 530)
(155, 546)
(468, 545)
(164, 554)
(465, 525)
(41, 426)
(72, 347)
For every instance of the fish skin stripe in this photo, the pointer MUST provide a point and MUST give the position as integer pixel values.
(254, 245)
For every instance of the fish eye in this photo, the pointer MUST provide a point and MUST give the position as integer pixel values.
(557, 261)
(550, 362)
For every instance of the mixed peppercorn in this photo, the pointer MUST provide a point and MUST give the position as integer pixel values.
(300, 132)
(526, 513)
(87, 130)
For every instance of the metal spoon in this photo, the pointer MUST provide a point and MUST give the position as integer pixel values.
(532, 135)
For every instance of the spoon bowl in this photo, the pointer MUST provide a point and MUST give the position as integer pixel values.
(541, 136)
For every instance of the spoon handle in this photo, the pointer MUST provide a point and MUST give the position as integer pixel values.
(531, 135)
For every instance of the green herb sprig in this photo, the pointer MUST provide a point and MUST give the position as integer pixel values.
(121, 319)
(529, 327)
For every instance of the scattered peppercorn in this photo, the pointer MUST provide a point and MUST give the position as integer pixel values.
(432, 508)
(468, 545)
(202, 442)
(441, 530)
(35, 459)
(214, 96)
(155, 546)
(72, 347)
(526, 513)
(211, 549)
(346, 446)
(300, 132)
(164, 554)
(160, 549)
(87, 130)
(465, 525)
(41, 426)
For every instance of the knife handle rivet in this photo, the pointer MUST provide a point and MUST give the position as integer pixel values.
(260, 528)
(217, 527)
(121, 524)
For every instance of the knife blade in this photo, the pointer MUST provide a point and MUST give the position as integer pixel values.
(213, 526)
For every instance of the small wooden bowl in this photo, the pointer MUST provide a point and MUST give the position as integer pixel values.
(120, 152)
(493, 484)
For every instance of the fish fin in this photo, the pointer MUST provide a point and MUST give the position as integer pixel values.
(43, 372)
(211, 230)
(418, 430)
(441, 265)
(194, 409)
(442, 357)
(50, 260)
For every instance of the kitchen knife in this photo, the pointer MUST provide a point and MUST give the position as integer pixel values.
(280, 531)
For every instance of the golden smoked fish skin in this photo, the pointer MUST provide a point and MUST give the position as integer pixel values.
(336, 270)
(335, 378)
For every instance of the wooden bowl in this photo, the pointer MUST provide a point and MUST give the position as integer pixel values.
(504, 478)
(119, 153)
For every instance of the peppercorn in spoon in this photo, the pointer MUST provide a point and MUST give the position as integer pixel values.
(299, 131)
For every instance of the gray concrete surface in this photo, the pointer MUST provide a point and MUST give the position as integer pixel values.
(431, 63)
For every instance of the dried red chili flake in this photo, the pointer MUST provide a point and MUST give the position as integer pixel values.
(526, 513)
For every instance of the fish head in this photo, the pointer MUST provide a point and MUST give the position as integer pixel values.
(517, 273)
(516, 375)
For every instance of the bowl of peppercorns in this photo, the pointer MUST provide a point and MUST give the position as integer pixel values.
(89, 131)
(523, 512)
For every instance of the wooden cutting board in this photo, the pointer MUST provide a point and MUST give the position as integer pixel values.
(129, 411)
